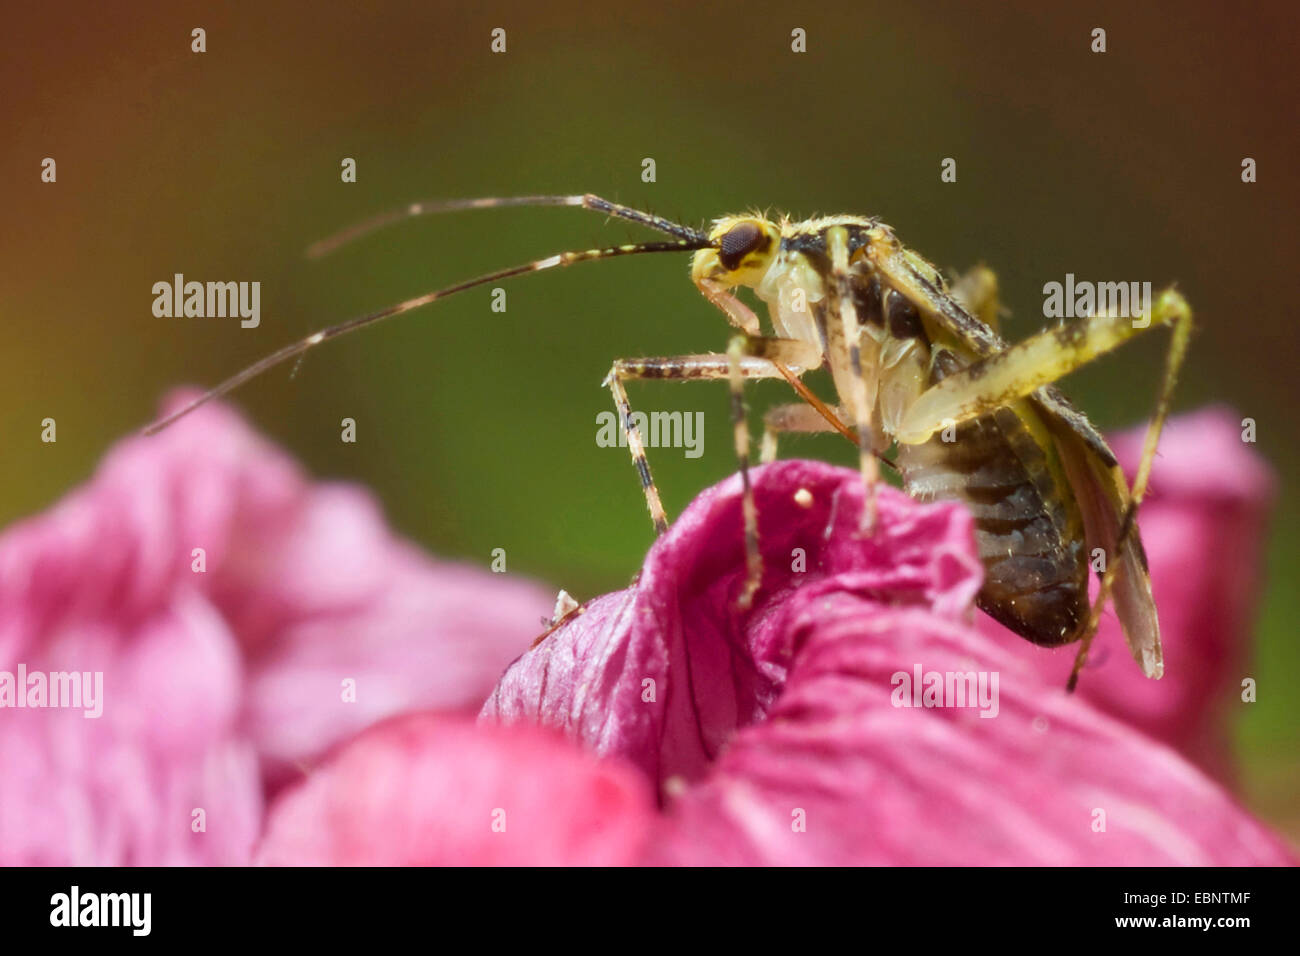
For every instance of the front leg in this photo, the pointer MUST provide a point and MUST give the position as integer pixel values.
(762, 360)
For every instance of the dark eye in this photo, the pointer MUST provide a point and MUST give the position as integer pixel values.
(738, 242)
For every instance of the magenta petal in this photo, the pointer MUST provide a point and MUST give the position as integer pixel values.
(839, 774)
(664, 673)
(123, 788)
(219, 684)
(775, 735)
(429, 789)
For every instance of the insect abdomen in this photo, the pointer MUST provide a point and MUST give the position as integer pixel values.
(1028, 529)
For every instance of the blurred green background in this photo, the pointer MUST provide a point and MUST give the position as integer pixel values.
(477, 430)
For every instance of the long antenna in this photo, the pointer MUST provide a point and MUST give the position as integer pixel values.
(687, 243)
(586, 201)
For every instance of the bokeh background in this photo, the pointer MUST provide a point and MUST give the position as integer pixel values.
(477, 430)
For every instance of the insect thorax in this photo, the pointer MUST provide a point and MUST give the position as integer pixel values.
(1003, 465)
(795, 286)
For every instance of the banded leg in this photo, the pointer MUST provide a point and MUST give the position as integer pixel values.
(749, 507)
(688, 368)
(851, 381)
(1173, 364)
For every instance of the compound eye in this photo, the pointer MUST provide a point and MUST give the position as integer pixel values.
(738, 242)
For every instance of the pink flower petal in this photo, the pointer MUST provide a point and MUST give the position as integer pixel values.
(219, 684)
(123, 788)
(839, 774)
(433, 790)
(665, 672)
(786, 714)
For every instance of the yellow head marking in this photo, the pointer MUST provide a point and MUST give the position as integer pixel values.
(743, 249)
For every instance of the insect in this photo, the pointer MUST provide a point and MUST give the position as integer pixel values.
(916, 364)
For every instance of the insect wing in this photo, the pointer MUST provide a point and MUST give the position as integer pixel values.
(1103, 496)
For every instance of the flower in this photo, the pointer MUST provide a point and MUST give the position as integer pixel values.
(223, 670)
(665, 672)
(263, 639)
(778, 736)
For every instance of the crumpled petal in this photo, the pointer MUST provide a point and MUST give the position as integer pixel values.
(1203, 525)
(839, 774)
(775, 737)
(665, 672)
(435, 790)
(218, 685)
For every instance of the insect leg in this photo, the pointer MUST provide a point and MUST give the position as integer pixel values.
(686, 368)
(860, 398)
(1015, 372)
(1173, 364)
(749, 507)
(737, 313)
